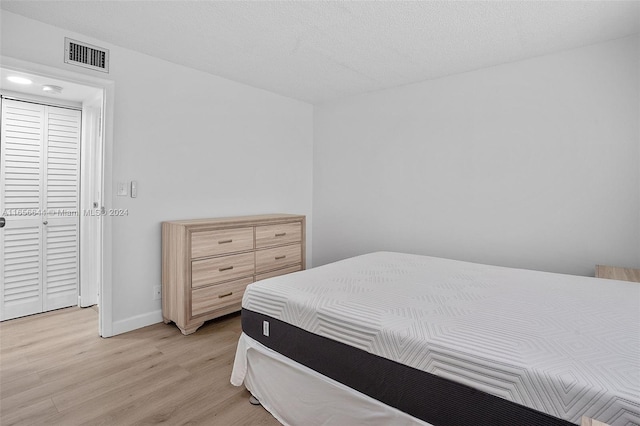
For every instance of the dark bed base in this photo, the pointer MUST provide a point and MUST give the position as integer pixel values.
(423, 395)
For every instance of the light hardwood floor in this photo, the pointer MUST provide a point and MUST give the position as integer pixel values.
(56, 370)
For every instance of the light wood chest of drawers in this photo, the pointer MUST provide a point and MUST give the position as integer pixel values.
(618, 273)
(208, 263)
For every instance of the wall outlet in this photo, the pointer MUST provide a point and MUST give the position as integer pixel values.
(157, 292)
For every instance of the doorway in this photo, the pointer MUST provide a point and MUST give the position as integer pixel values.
(69, 240)
(39, 201)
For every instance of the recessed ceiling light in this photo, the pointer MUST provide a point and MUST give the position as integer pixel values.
(19, 80)
(50, 88)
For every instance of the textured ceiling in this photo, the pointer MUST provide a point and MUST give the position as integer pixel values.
(318, 51)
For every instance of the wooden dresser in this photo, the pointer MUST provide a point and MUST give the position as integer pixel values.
(208, 263)
(618, 273)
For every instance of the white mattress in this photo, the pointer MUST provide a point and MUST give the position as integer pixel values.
(565, 345)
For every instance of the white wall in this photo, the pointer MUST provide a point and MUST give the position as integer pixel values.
(198, 145)
(532, 164)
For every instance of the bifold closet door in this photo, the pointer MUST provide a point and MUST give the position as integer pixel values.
(39, 171)
(61, 190)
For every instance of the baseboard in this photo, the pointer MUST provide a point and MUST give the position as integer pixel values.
(138, 321)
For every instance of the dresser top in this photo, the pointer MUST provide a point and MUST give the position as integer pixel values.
(238, 220)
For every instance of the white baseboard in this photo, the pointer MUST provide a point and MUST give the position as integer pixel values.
(138, 321)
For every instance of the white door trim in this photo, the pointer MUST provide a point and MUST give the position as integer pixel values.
(105, 327)
(90, 200)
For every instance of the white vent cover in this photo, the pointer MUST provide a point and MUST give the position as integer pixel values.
(86, 55)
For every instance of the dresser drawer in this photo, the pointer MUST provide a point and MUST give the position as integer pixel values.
(208, 299)
(280, 234)
(218, 269)
(279, 272)
(278, 257)
(220, 241)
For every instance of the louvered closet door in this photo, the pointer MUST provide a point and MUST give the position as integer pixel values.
(39, 165)
(21, 177)
(61, 189)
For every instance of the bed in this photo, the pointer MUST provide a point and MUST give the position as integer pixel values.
(391, 338)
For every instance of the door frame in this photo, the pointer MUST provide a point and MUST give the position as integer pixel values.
(90, 201)
(103, 263)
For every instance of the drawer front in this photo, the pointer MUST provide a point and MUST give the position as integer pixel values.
(278, 257)
(208, 299)
(220, 241)
(279, 272)
(280, 234)
(218, 269)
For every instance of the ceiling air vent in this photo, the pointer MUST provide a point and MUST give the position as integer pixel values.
(86, 55)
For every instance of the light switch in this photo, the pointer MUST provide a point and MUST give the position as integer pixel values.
(134, 189)
(122, 190)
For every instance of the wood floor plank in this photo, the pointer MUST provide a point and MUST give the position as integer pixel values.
(198, 393)
(97, 361)
(56, 370)
(18, 385)
(14, 367)
(31, 414)
(92, 409)
(94, 387)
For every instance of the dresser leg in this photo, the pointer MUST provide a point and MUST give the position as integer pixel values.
(191, 328)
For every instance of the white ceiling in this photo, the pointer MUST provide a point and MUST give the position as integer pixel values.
(317, 51)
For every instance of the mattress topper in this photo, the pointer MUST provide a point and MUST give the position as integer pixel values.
(565, 345)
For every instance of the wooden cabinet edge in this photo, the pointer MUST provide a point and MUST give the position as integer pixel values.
(233, 222)
(618, 273)
(588, 421)
(169, 274)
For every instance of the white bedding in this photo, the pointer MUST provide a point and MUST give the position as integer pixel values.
(565, 345)
(297, 395)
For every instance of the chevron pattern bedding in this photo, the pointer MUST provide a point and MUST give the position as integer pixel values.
(564, 345)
